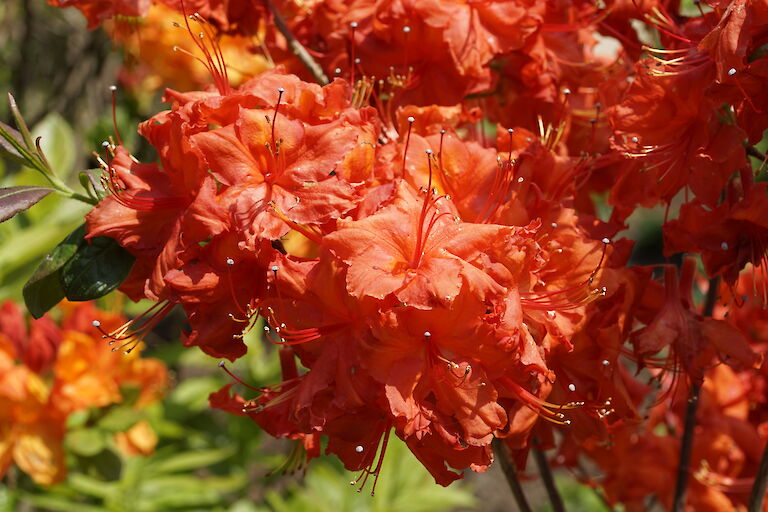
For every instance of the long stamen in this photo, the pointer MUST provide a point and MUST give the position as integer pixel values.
(353, 27)
(237, 379)
(280, 92)
(549, 411)
(368, 470)
(567, 298)
(407, 141)
(113, 90)
(131, 333)
(420, 235)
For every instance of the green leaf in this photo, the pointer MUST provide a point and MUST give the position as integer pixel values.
(96, 269)
(7, 499)
(86, 442)
(90, 486)
(58, 143)
(49, 502)
(190, 460)
(14, 200)
(120, 419)
(43, 290)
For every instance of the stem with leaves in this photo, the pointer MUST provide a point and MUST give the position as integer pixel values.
(20, 148)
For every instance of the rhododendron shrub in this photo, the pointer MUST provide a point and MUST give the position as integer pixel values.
(433, 238)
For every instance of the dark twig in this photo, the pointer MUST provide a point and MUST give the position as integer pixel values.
(508, 467)
(686, 446)
(760, 486)
(546, 477)
(756, 153)
(296, 47)
(683, 468)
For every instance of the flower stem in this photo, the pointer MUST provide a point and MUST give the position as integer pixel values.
(546, 477)
(757, 497)
(683, 467)
(508, 467)
(296, 47)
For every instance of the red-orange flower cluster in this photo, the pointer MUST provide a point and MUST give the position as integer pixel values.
(428, 236)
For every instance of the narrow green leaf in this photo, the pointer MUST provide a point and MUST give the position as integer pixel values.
(96, 269)
(20, 124)
(50, 502)
(17, 199)
(190, 460)
(90, 486)
(44, 290)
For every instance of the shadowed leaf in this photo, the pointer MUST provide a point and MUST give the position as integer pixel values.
(43, 290)
(96, 269)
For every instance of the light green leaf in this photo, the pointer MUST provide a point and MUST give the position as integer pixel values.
(190, 460)
(86, 442)
(58, 143)
(120, 419)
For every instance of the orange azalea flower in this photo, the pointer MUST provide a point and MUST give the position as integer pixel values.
(83, 372)
(158, 54)
(140, 439)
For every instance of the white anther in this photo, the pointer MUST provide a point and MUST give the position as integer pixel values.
(427, 334)
(724, 246)
(113, 88)
(96, 323)
(337, 70)
(510, 131)
(105, 144)
(353, 24)
(275, 268)
(280, 90)
(428, 151)
(606, 362)
(566, 91)
(359, 449)
(230, 261)
(606, 240)
(554, 224)
(635, 140)
(551, 314)
(411, 119)
(571, 387)
(406, 29)
(357, 60)
(221, 364)
(731, 71)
